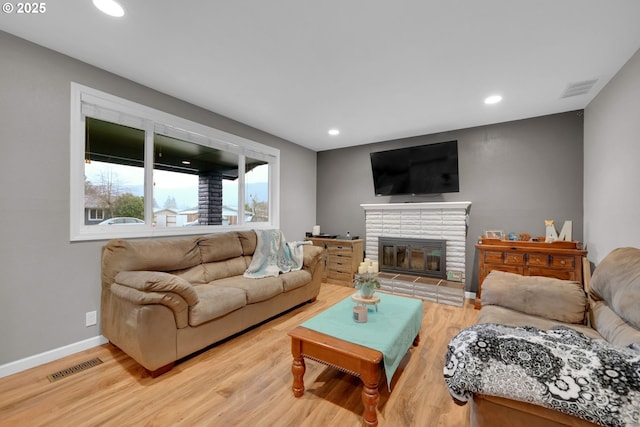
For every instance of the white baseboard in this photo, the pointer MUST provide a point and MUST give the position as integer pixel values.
(49, 356)
(470, 295)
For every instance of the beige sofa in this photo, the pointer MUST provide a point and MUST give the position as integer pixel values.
(607, 308)
(163, 299)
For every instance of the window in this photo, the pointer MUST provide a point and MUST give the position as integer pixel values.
(95, 214)
(136, 171)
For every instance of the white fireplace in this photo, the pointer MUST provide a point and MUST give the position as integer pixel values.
(438, 220)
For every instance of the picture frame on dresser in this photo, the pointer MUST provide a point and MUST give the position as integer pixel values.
(494, 234)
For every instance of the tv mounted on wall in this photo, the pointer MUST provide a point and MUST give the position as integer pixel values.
(423, 169)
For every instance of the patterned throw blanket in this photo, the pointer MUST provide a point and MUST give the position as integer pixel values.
(561, 369)
(274, 255)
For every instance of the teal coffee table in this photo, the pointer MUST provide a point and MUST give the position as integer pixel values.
(361, 349)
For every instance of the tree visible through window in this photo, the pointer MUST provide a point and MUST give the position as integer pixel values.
(114, 169)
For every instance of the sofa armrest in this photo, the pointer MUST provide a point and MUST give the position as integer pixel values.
(157, 281)
(312, 256)
(137, 298)
(556, 299)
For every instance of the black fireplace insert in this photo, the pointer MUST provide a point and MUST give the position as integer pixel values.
(420, 257)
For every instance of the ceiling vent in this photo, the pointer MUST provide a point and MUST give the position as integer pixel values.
(579, 88)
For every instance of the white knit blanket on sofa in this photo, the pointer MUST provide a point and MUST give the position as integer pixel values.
(274, 255)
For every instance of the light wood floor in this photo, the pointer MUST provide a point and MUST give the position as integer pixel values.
(244, 381)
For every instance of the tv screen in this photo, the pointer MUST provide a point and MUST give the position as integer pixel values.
(424, 169)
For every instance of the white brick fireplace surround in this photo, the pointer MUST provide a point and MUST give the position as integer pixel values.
(437, 220)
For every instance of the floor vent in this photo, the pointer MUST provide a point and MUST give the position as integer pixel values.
(74, 369)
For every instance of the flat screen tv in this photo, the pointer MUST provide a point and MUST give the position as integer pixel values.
(423, 169)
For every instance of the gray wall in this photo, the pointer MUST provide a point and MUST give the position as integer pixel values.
(47, 282)
(516, 175)
(612, 164)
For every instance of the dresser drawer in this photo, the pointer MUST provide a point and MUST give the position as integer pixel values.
(563, 262)
(340, 256)
(514, 259)
(493, 257)
(538, 259)
(339, 263)
(340, 250)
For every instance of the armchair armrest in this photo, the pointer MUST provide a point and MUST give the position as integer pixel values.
(562, 300)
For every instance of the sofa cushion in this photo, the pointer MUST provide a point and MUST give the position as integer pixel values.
(562, 300)
(611, 326)
(214, 302)
(616, 280)
(507, 316)
(193, 275)
(227, 268)
(148, 254)
(256, 289)
(295, 279)
(218, 247)
(248, 240)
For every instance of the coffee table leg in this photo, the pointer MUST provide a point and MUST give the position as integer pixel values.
(370, 395)
(297, 369)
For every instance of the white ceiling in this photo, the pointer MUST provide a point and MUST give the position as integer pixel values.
(375, 69)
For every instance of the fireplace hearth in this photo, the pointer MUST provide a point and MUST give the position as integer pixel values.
(420, 257)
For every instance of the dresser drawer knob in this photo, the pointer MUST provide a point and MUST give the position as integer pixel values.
(563, 262)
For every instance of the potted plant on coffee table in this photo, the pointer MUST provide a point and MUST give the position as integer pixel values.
(367, 284)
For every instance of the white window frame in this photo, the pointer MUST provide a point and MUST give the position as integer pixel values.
(86, 101)
(96, 217)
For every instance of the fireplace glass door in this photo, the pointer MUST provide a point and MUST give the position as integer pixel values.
(422, 257)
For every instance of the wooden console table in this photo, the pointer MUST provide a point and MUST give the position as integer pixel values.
(561, 259)
(341, 258)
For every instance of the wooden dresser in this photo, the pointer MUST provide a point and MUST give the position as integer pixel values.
(341, 259)
(561, 259)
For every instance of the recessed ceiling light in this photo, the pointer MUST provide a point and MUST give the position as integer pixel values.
(493, 99)
(110, 7)
(334, 132)
(186, 162)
